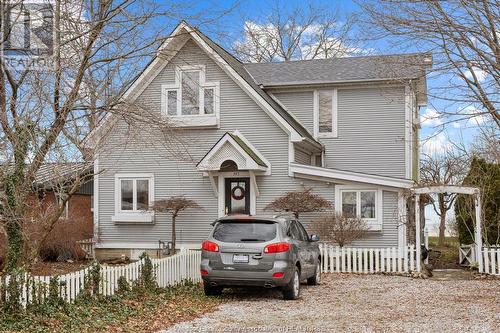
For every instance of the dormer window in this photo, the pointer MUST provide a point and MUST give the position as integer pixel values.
(325, 113)
(191, 101)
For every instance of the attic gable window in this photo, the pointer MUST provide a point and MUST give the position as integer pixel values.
(191, 101)
(325, 113)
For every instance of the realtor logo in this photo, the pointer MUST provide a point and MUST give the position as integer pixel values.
(27, 29)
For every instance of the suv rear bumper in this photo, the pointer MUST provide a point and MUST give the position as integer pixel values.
(233, 278)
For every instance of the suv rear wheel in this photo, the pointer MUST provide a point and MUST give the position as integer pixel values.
(212, 290)
(292, 290)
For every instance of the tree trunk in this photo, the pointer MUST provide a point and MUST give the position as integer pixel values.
(173, 232)
(15, 248)
(442, 228)
(442, 218)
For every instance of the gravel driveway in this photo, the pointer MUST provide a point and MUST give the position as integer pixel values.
(360, 303)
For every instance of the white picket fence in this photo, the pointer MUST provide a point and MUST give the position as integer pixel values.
(367, 260)
(169, 271)
(491, 260)
(87, 245)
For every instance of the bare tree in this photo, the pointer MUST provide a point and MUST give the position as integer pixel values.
(486, 144)
(340, 229)
(45, 115)
(174, 205)
(443, 168)
(299, 202)
(463, 37)
(300, 33)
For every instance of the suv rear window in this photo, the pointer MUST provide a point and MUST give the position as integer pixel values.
(242, 231)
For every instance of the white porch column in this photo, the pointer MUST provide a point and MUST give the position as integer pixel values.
(478, 237)
(417, 231)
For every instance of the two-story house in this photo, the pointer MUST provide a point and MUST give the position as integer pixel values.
(346, 127)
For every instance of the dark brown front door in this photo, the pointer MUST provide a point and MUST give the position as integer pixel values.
(237, 196)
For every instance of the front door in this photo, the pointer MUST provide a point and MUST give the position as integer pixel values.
(237, 196)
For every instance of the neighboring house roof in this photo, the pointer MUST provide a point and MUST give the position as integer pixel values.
(340, 70)
(54, 173)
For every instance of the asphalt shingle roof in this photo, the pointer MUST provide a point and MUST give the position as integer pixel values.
(339, 70)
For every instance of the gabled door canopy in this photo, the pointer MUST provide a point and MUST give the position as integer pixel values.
(234, 147)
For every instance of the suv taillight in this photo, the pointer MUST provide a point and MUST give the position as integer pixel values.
(277, 247)
(210, 246)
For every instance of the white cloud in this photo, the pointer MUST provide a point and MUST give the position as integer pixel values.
(480, 74)
(436, 144)
(456, 124)
(474, 115)
(430, 117)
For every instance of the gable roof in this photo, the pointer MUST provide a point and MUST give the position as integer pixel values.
(248, 150)
(340, 70)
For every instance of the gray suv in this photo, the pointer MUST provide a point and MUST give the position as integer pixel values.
(258, 251)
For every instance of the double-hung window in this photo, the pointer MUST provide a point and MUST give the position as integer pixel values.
(325, 113)
(191, 101)
(362, 203)
(134, 193)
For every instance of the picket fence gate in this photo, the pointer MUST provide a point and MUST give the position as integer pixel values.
(364, 260)
(169, 271)
(491, 260)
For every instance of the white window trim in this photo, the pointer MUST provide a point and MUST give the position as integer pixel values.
(131, 216)
(201, 119)
(374, 224)
(334, 132)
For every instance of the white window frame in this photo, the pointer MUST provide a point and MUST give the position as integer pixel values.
(334, 132)
(201, 119)
(134, 215)
(373, 224)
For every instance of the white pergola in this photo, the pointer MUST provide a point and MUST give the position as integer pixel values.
(448, 189)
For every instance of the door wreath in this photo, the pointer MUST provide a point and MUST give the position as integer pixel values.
(235, 194)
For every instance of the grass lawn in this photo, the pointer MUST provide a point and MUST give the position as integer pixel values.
(445, 256)
(132, 312)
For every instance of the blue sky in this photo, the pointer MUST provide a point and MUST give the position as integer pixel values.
(436, 133)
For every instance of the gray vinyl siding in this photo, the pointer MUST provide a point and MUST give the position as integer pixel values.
(300, 104)
(177, 175)
(302, 157)
(371, 128)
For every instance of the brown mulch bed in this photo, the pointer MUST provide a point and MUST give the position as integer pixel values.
(179, 308)
(45, 268)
